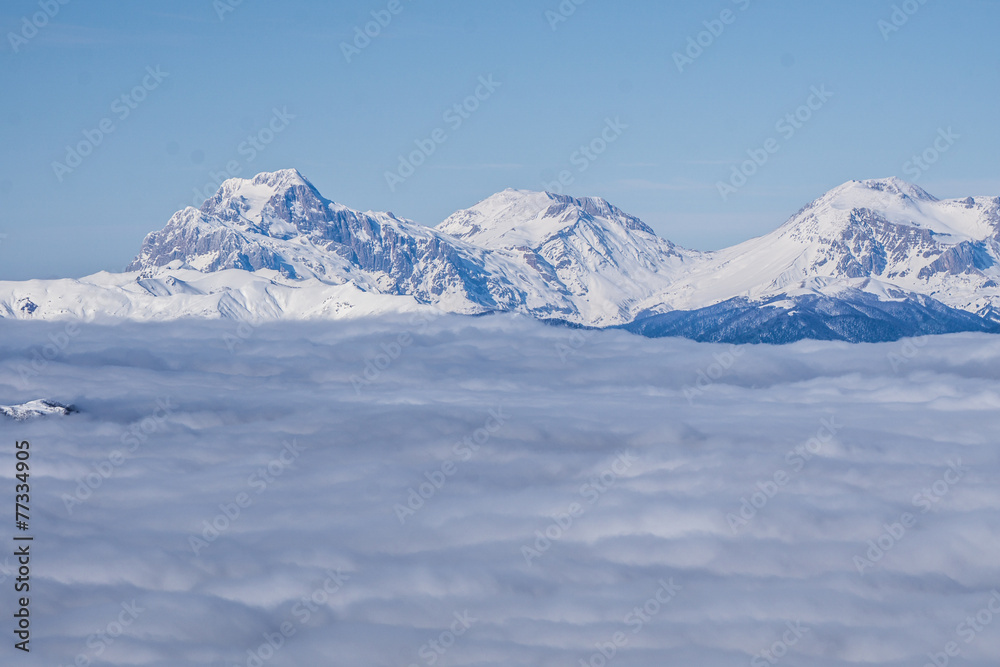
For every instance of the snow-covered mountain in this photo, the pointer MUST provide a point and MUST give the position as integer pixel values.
(279, 222)
(870, 260)
(285, 250)
(885, 237)
(600, 258)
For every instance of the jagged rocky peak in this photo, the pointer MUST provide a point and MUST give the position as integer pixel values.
(268, 181)
(262, 186)
(270, 203)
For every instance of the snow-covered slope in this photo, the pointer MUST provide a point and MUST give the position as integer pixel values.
(175, 292)
(885, 237)
(273, 247)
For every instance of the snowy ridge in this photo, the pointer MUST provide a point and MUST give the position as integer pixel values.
(272, 247)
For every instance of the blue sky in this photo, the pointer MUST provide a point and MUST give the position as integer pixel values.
(555, 86)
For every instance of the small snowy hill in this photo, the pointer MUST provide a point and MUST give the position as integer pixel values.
(34, 409)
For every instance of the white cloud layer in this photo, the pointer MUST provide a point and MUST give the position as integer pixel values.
(572, 494)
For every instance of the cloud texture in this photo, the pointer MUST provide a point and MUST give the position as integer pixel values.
(495, 492)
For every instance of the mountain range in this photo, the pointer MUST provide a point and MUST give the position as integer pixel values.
(871, 260)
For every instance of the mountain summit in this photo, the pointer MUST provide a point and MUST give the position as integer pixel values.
(601, 257)
(869, 260)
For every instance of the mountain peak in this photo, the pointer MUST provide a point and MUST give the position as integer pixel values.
(891, 186)
(526, 218)
(283, 178)
(246, 201)
(268, 183)
(892, 198)
(545, 199)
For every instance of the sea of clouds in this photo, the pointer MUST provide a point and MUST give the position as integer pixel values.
(494, 492)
